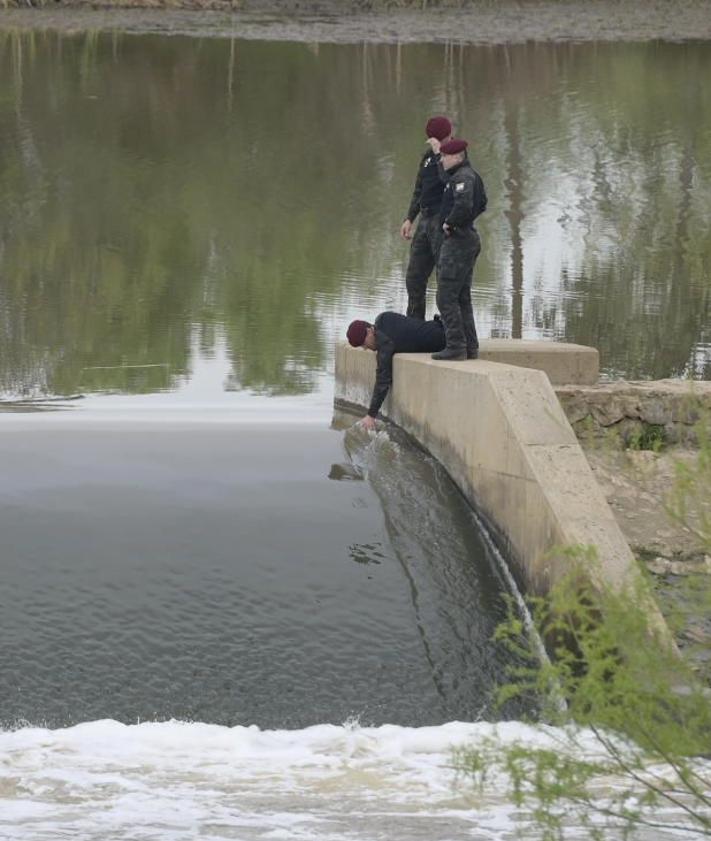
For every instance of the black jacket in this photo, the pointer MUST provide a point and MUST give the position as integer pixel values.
(429, 186)
(464, 197)
(395, 333)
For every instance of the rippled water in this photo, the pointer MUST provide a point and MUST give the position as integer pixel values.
(187, 567)
(171, 561)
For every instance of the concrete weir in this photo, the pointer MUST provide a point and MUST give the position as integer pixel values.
(500, 432)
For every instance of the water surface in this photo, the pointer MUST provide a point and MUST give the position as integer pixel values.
(159, 568)
(188, 550)
(160, 196)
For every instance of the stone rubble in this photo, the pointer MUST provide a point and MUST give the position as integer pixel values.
(669, 409)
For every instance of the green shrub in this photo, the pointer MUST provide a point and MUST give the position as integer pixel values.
(634, 744)
(613, 678)
(647, 436)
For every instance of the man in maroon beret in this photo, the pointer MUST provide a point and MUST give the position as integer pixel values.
(463, 200)
(426, 201)
(392, 333)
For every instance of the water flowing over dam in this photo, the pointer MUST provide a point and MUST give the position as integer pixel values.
(217, 573)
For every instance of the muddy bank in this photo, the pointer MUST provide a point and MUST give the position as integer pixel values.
(357, 21)
(639, 487)
(641, 439)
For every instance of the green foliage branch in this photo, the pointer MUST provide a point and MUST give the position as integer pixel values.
(630, 748)
(632, 723)
(690, 500)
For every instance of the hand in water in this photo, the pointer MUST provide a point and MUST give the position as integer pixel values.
(406, 229)
(368, 423)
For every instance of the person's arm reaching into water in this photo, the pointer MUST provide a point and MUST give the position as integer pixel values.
(383, 378)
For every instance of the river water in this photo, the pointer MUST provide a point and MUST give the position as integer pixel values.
(223, 615)
(157, 191)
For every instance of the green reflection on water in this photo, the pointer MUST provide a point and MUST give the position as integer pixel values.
(158, 195)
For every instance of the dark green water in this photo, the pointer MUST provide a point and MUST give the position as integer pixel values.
(157, 568)
(185, 228)
(168, 203)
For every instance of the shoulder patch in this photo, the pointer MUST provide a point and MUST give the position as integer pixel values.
(460, 187)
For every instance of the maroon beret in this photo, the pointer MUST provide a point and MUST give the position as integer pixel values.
(453, 147)
(438, 127)
(356, 332)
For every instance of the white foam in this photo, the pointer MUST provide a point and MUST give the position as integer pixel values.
(178, 780)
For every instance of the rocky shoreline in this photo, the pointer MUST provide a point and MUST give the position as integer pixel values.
(639, 438)
(636, 435)
(643, 415)
(357, 21)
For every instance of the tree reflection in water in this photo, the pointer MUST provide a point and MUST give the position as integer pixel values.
(157, 194)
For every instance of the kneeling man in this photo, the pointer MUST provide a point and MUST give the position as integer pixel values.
(393, 333)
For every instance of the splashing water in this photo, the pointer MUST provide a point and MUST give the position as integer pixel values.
(184, 780)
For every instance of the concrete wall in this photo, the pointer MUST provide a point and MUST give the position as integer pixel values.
(564, 363)
(500, 432)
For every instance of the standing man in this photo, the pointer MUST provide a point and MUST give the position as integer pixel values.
(463, 200)
(426, 201)
(392, 333)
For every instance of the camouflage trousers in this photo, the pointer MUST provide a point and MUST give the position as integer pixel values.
(455, 269)
(423, 259)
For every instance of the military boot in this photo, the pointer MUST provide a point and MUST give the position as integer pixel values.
(450, 354)
(472, 353)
